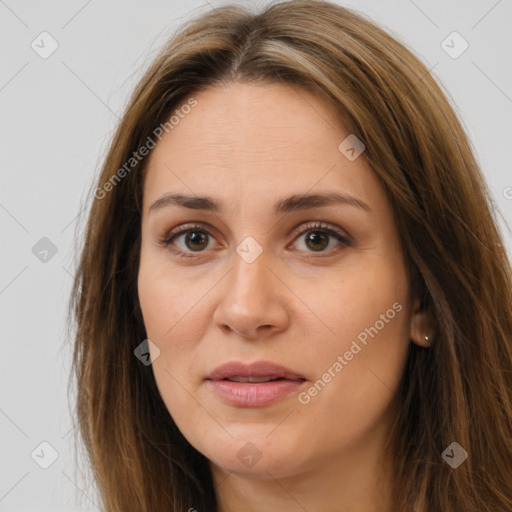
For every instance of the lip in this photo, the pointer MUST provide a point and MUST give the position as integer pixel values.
(257, 369)
(247, 394)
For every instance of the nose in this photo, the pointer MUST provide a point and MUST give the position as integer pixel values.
(252, 301)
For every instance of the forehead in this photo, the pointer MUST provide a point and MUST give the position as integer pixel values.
(250, 140)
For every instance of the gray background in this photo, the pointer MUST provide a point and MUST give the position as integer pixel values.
(57, 115)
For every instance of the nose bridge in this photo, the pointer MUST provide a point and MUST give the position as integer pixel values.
(247, 280)
(249, 298)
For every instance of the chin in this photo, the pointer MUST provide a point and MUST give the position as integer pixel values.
(255, 456)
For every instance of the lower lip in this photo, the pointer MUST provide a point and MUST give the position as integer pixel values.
(254, 394)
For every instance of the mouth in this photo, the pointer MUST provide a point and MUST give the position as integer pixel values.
(260, 371)
(254, 385)
(253, 380)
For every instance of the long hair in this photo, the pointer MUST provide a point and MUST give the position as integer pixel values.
(458, 390)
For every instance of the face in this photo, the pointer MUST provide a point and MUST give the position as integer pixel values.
(261, 274)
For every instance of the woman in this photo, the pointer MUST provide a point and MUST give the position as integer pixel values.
(292, 294)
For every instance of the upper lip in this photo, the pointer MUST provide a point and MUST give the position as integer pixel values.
(257, 369)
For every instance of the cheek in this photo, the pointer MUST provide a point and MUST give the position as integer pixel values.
(168, 302)
(170, 321)
(366, 312)
(345, 303)
(175, 316)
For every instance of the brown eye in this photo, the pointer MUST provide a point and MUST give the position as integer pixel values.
(188, 239)
(317, 240)
(320, 238)
(196, 240)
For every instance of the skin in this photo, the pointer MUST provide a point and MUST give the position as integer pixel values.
(298, 304)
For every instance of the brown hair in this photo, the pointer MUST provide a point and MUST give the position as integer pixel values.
(458, 390)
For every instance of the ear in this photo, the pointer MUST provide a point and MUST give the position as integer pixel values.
(421, 329)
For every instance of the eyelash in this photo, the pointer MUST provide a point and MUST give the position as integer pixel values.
(185, 228)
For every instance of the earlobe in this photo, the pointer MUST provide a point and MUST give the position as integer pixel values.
(421, 332)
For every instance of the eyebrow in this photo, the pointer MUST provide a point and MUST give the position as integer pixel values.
(296, 202)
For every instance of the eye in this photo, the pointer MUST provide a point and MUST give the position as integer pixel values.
(194, 238)
(319, 236)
